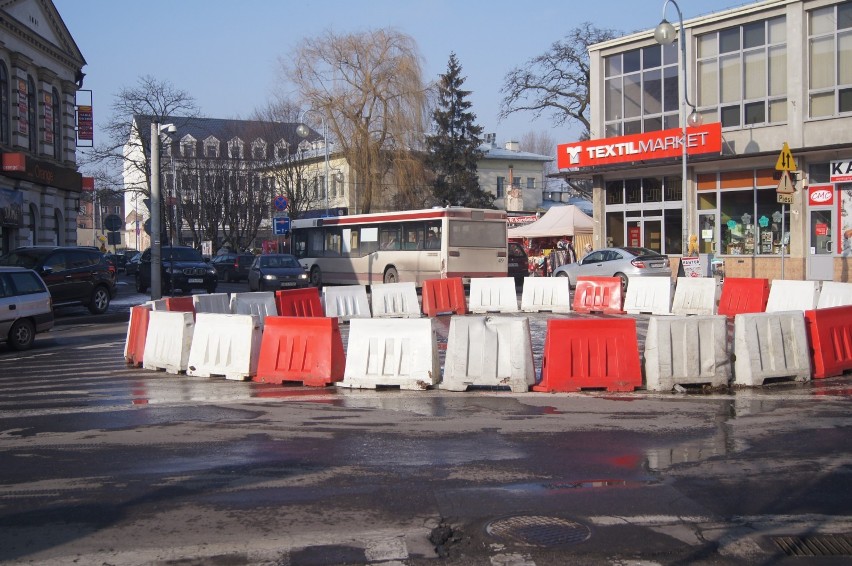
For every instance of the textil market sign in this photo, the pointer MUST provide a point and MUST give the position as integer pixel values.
(640, 147)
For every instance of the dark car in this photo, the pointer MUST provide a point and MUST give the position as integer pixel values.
(132, 266)
(277, 271)
(232, 266)
(182, 267)
(519, 262)
(120, 258)
(74, 275)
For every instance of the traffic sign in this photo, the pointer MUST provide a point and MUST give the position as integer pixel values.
(785, 160)
(281, 225)
(280, 203)
(784, 198)
(112, 222)
(785, 185)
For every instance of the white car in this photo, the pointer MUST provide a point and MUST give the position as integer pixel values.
(26, 307)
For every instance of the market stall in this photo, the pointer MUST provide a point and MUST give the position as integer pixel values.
(567, 224)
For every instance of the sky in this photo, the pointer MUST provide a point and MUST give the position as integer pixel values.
(227, 55)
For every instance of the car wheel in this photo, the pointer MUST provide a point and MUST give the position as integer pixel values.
(623, 278)
(391, 275)
(99, 302)
(561, 274)
(21, 335)
(316, 277)
(140, 287)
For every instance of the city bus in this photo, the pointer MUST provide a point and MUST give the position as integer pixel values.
(391, 247)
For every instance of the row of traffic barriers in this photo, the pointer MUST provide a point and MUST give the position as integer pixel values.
(254, 341)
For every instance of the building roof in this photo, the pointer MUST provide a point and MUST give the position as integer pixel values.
(492, 152)
(225, 129)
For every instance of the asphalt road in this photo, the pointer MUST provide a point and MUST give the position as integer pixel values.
(105, 464)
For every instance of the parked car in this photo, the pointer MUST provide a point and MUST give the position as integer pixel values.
(132, 266)
(25, 307)
(120, 258)
(182, 267)
(233, 266)
(74, 275)
(519, 262)
(624, 262)
(277, 271)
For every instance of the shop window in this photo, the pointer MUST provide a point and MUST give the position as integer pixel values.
(673, 224)
(674, 188)
(615, 192)
(633, 191)
(652, 190)
(751, 222)
(614, 229)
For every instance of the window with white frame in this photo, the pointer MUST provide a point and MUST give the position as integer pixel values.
(211, 148)
(282, 150)
(501, 187)
(530, 182)
(640, 90)
(830, 60)
(235, 149)
(187, 147)
(258, 149)
(32, 113)
(742, 74)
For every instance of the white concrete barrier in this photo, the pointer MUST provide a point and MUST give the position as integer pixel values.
(492, 294)
(546, 294)
(835, 294)
(346, 302)
(785, 295)
(395, 300)
(260, 303)
(489, 351)
(649, 295)
(770, 346)
(391, 352)
(168, 341)
(695, 295)
(686, 350)
(225, 345)
(158, 305)
(219, 303)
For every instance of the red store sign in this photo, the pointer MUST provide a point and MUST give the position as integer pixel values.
(640, 147)
(821, 195)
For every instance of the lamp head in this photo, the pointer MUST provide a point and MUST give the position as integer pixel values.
(664, 33)
(170, 129)
(302, 130)
(695, 119)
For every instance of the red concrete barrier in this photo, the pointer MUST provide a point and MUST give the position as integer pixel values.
(442, 296)
(137, 332)
(598, 294)
(830, 340)
(299, 302)
(743, 295)
(180, 304)
(305, 349)
(590, 354)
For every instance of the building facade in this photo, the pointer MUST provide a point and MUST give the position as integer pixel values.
(40, 73)
(760, 76)
(516, 178)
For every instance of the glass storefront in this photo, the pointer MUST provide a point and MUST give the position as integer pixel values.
(645, 212)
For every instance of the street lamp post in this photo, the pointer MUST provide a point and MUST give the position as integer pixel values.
(664, 33)
(304, 132)
(156, 262)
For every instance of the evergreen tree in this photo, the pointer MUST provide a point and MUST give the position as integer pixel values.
(454, 148)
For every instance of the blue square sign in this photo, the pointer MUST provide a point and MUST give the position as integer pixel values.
(281, 225)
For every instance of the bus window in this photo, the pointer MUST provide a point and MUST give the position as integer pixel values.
(369, 240)
(352, 237)
(300, 244)
(389, 238)
(477, 234)
(413, 237)
(333, 241)
(433, 236)
(315, 243)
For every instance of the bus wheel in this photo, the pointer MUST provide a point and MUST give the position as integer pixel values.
(316, 277)
(391, 275)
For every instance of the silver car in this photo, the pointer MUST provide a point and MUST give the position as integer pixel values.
(26, 307)
(623, 262)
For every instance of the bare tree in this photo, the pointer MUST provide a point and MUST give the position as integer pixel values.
(368, 86)
(557, 81)
(289, 168)
(149, 97)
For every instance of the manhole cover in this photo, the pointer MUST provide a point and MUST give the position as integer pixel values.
(815, 545)
(537, 530)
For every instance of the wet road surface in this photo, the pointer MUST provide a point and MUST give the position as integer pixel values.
(104, 464)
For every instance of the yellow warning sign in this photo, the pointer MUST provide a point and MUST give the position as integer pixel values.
(785, 160)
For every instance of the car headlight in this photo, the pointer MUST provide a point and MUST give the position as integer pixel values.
(303, 276)
(271, 277)
(211, 271)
